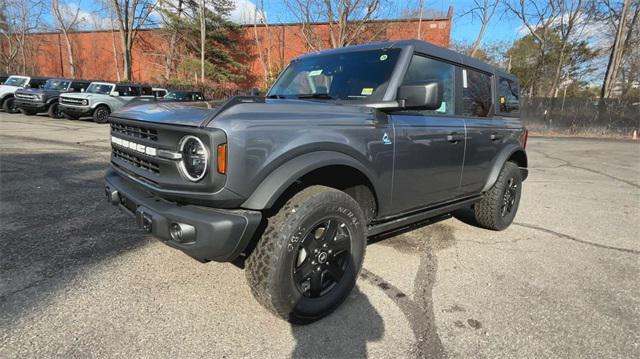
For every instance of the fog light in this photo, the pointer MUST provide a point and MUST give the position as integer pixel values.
(181, 232)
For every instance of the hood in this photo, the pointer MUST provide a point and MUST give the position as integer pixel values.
(167, 113)
(8, 89)
(249, 111)
(80, 95)
(46, 93)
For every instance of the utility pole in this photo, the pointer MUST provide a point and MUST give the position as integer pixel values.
(203, 38)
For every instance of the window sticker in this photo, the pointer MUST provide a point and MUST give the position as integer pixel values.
(442, 108)
(383, 57)
(464, 78)
(367, 91)
(315, 72)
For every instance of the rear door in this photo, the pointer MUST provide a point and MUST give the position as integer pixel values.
(485, 133)
(429, 144)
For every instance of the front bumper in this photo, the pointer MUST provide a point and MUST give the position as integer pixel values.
(217, 234)
(76, 110)
(31, 105)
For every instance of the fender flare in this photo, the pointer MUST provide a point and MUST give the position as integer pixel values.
(499, 162)
(93, 109)
(277, 182)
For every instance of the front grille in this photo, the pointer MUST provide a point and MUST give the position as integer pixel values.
(71, 101)
(135, 131)
(25, 96)
(136, 160)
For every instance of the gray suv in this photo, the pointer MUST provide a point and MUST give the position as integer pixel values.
(349, 144)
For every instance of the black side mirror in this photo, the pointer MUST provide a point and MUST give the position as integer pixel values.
(425, 94)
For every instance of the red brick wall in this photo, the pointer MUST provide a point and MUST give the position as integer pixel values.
(94, 54)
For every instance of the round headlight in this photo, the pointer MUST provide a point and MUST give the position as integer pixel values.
(194, 158)
(85, 102)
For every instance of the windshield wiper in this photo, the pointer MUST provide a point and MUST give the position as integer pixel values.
(324, 96)
(276, 96)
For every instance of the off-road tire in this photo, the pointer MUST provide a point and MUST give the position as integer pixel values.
(98, 114)
(8, 105)
(488, 211)
(27, 112)
(269, 267)
(53, 111)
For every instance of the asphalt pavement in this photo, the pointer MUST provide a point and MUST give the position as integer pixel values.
(78, 279)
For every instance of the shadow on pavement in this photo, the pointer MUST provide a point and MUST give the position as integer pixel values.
(54, 225)
(343, 334)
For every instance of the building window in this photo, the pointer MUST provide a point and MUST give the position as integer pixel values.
(476, 93)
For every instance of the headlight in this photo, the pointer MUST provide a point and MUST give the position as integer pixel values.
(85, 102)
(194, 158)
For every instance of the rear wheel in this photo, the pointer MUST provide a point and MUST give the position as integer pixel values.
(498, 207)
(101, 114)
(309, 257)
(9, 105)
(54, 111)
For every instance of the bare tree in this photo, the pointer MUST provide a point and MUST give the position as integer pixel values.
(173, 7)
(263, 43)
(484, 11)
(624, 21)
(20, 17)
(66, 20)
(203, 36)
(131, 16)
(538, 18)
(348, 20)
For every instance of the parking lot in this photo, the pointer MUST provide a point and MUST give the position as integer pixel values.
(78, 279)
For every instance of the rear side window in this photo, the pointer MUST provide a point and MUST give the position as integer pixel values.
(508, 96)
(476, 93)
(147, 91)
(424, 68)
(36, 83)
(128, 90)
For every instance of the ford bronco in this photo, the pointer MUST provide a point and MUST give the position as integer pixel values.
(100, 99)
(347, 145)
(12, 84)
(45, 99)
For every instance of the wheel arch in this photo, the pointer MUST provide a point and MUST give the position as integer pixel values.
(332, 169)
(512, 153)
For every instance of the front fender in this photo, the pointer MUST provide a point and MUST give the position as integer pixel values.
(508, 152)
(277, 182)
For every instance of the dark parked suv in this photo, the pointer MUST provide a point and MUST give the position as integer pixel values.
(348, 144)
(32, 101)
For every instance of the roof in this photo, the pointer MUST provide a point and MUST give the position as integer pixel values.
(418, 46)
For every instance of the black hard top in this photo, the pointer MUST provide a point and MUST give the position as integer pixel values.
(421, 47)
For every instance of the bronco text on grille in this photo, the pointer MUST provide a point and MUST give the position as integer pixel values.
(71, 101)
(25, 96)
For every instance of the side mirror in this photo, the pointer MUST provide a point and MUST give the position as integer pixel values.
(115, 93)
(425, 94)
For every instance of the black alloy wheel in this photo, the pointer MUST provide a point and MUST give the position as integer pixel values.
(322, 258)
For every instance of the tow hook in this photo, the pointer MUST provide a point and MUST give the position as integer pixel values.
(144, 220)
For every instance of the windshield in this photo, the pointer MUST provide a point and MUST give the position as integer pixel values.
(180, 96)
(16, 81)
(358, 75)
(59, 85)
(100, 88)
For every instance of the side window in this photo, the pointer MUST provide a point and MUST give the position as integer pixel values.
(135, 91)
(147, 91)
(423, 68)
(508, 96)
(123, 90)
(476, 93)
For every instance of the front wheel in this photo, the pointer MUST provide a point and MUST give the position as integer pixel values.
(9, 105)
(499, 205)
(310, 254)
(101, 114)
(54, 111)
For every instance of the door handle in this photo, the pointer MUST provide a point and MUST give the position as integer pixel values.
(454, 137)
(495, 137)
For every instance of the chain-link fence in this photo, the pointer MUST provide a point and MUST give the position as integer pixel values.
(581, 115)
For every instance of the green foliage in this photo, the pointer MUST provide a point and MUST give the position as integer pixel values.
(223, 59)
(536, 71)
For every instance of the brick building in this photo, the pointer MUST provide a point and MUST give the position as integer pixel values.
(97, 53)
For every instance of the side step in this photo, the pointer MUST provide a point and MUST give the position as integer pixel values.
(417, 217)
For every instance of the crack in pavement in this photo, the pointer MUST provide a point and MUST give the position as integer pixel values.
(569, 164)
(566, 236)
